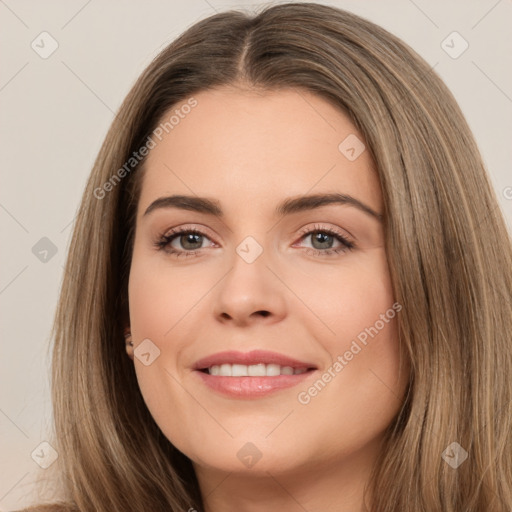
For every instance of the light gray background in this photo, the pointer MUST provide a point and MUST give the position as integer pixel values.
(56, 112)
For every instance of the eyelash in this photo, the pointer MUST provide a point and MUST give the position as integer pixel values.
(164, 241)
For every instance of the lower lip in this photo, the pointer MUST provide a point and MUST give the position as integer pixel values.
(251, 387)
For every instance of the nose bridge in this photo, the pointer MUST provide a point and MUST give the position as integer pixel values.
(250, 286)
(251, 233)
(250, 263)
(250, 249)
(255, 244)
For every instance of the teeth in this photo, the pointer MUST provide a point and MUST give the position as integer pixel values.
(253, 370)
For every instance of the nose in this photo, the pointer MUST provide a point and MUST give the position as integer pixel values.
(250, 293)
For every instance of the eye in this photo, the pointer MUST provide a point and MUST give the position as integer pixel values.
(191, 240)
(322, 239)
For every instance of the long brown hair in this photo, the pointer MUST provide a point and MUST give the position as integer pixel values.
(449, 255)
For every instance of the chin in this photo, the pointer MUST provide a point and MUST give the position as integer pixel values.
(248, 457)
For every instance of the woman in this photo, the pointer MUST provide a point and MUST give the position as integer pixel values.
(339, 339)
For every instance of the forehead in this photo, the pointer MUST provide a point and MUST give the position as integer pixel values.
(252, 148)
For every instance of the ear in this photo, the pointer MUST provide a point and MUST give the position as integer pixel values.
(128, 342)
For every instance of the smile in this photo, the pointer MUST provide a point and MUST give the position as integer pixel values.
(250, 387)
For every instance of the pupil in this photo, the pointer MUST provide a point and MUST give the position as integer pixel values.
(319, 236)
(190, 237)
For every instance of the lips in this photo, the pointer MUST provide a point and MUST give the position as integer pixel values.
(251, 358)
(252, 385)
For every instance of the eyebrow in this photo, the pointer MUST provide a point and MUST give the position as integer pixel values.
(287, 207)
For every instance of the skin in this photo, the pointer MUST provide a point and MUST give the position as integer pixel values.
(250, 150)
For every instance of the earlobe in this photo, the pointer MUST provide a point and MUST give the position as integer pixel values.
(128, 342)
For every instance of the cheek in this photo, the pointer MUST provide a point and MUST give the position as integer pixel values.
(161, 298)
(348, 298)
(355, 321)
(159, 301)
(150, 302)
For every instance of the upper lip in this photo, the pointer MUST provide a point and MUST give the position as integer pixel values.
(250, 358)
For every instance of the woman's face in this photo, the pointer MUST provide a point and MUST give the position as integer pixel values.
(272, 273)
